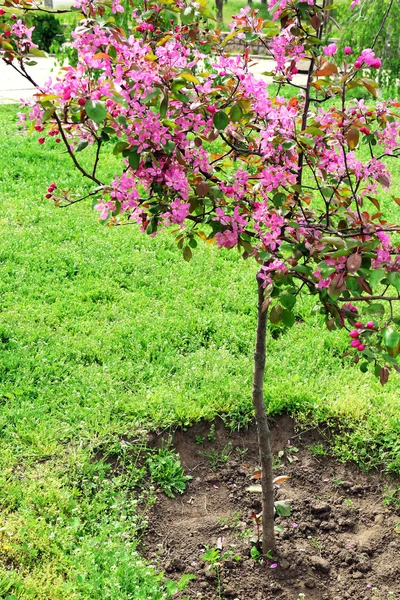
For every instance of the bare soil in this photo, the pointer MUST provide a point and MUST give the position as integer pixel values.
(341, 541)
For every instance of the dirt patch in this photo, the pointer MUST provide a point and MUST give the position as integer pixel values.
(340, 541)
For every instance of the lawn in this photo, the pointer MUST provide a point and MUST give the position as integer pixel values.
(106, 333)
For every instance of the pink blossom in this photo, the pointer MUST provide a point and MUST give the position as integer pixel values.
(330, 50)
(348, 50)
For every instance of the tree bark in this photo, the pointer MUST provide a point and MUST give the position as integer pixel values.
(268, 532)
(219, 5)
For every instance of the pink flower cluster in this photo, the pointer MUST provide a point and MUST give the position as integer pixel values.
(368, 58)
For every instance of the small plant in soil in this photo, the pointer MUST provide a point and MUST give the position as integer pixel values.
(391, 497)
(211, 434)
(173, 587)
(200, 440)
(167, 472)
(218, 458)
(317, 449)
(213, 558)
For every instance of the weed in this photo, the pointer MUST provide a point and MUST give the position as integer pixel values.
(397, 527)
(167, 472)
(173, 587)
(318, 449)
(211, 434)
(241, 452)
(218, 458)
(212, 557)
(348, 502)
(199, 440)
(391, 496)
(315, 543)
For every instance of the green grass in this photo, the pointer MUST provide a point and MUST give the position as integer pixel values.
(106, 331)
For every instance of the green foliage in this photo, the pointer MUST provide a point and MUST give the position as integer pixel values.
(48, 31)
(167, 472)
(358, 29)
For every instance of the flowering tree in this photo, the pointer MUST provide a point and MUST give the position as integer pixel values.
(290, 179)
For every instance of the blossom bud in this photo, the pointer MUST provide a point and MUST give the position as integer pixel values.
(41, 140)
(359, 63)
(365, 130)
(58, 140)
(2, 12)
(348, 50)
(48, 195)
(359, 325)
(354, 333)
(370, 325)
(81, 101)
(355, 343)
(361, 347)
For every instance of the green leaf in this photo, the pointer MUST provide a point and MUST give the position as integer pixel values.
(220, 120)
(283, 508)
(187, 254)
(119, 147)
(96, 110)
(279, 199)
(37, 52)
(81, 146)
(376, 310)
(390, 338)
(275, 315)
(288, 318)
(289, 145)
(236, 113)
(394, 279)
(287, 300)
(364, 367)
(375, 276)
(134, 159)
(164, 106)
(112, 52)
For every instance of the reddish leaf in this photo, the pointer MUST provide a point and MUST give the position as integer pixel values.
(353, 263)
(364, 285)
(352, 137)
(384, 180)
(202, 189)
(375, 202)
(384, 375)
(326, 69)
(315, 22)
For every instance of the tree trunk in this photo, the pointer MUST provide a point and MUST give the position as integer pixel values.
(268, 532)
(263, 1)
(219, 6)
(249, 2)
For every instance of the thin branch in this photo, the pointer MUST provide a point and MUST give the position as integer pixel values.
(369, 298)
(382, 24)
